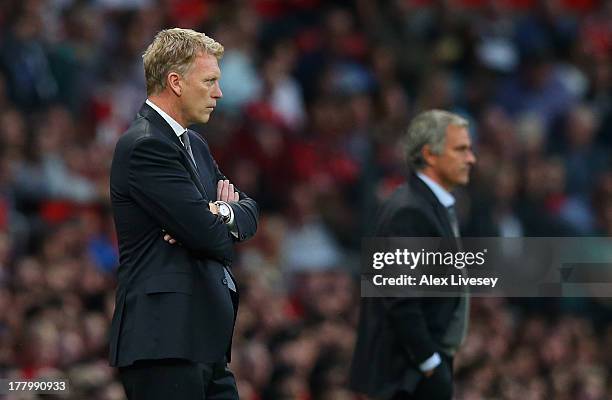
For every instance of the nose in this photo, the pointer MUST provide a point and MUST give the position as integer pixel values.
(471, 158)
(217, 93)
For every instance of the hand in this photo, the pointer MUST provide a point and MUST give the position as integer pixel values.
(213, 208)
(438, 382)
(226, 192)
(168, 238)
(430, 372)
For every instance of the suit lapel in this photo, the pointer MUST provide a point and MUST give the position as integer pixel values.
(168, 134)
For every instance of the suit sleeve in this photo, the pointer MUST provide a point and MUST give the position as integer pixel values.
(161, 185)
(406, 314)
(246, 211)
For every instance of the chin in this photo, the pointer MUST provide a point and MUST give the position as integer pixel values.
(462, 181)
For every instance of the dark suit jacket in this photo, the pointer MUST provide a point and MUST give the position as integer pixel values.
(172, 300)
(395, 335)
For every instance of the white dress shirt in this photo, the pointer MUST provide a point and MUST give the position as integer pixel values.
(443, 196)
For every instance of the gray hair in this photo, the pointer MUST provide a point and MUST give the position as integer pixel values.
(428, 128)
(174, 50)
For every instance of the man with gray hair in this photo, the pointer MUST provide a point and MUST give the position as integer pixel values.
(177, 218)
(405, 346)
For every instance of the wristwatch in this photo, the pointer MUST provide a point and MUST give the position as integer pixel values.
(224, 211)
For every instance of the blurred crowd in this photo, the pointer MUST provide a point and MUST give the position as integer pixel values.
(317, 95)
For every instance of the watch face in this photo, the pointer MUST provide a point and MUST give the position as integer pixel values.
(224, 210)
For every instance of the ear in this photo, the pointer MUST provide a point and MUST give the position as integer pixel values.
(174, 83)
(429, 157)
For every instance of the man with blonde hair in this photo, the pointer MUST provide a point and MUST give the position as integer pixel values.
(177, 218)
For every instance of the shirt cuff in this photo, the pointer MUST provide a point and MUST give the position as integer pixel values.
(431, 363)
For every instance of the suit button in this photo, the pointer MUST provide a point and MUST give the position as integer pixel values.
(224, 281)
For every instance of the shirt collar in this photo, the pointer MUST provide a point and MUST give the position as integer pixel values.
(443, 196)
(176, 127)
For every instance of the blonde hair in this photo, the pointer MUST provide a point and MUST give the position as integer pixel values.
(174, 50)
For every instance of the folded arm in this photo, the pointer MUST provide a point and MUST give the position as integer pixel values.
(161, 185)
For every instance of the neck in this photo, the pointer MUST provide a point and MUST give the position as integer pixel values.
(169, 106)
(431, 174)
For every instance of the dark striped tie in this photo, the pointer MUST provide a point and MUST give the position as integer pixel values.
(185, 136)
(452, 216)
(187, 144)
